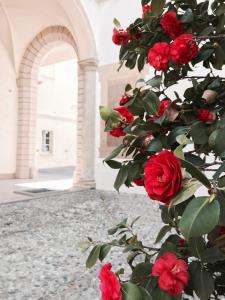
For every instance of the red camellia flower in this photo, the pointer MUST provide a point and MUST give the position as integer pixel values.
(184, 49)
(172, 273)
(163, 176)
(163, 106)
(206, 116)
(171, 25)
(110, 285)
(120, 37)
(145, 8)
(117, 131)
(159, 56)
(139, 181)
(124, 100)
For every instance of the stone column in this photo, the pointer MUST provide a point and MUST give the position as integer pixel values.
(85, 162)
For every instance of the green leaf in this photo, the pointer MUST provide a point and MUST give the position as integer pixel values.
(113, 164)
(93, 256)
(134, 221)
(157, 6)
(212, 255)
(176, 132)
(104, 251)
(141, 274)
(132, 292)
(107, 113)
(196, 246)
(154, 146)
(202, 281)
(219, 142)
(220, 10)
(187, 17)
(163, 231)
(190, 168)
(158, 294)
(186, 192)
(194, 159)
(220, 170)
(203, 55)
(199, 217)
(114, 153)
(199, 133)
(155, 81)
(121, 177)
(151, 103)
(116, 23)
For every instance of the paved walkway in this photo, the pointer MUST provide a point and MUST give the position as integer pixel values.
(40, 257)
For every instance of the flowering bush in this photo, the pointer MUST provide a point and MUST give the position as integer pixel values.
(172, 146)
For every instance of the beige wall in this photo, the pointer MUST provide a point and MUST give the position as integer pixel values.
(57, 106)
(8, 116)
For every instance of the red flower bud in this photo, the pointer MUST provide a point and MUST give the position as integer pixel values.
(206, 116)
(120, 37)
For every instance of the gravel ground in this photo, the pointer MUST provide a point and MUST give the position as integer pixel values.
(39, 250)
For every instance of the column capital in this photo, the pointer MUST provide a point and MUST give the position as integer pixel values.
(88, 64)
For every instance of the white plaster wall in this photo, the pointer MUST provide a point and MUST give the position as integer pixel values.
(57, 106)
(8, 114)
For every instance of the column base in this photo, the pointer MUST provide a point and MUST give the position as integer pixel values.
(88, 184)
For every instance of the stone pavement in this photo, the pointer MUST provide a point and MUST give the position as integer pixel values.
(40, 256)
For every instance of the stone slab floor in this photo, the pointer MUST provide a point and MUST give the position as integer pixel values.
(40, 256)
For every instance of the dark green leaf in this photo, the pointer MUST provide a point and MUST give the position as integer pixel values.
(172, 137)
(155, 81)
(202, 281)
(199, 217)
(151, 103)
(113, 164)
(154, 146)
(195, 172)
(196, 246)
(93, 256)
(141, 274)
(185, 193)
(220, 141)
(220, 10)
(105, 249)
(220, 170)
(188, 16)
(212, 255)
(199, 133)
(163, 231)
(115, 152)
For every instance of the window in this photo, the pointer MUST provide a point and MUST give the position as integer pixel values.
(46, 146)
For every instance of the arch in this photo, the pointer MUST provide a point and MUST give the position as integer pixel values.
(27, 103)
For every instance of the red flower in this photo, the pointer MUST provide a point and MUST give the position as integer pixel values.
(139, 181)
(184, 49)
(171, 25)
(124, 100)
(117, 131)
(163, 176)
(110, 285)
(163, 106)
(145, 8)
(206, 116)
(159, 56)
(124, 112)
(120, 37)
(172, 273)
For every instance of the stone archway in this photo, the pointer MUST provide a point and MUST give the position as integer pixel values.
(27, 106)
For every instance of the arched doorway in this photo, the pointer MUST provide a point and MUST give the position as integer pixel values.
(27, 106)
